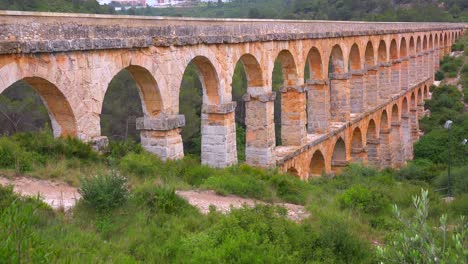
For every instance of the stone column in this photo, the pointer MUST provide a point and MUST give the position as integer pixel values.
(414, 122)
(161, 135)
(431, 65)
(318, 106)
(412, 71)
(404, 72)
(293, 115)
(421, 109)
(395, 79)
(406, 136)
(338, 165)
(384, 81)
(339, 97)
(372, 88)
(218, 135)
(441, 52)
(373, 152)
(424, 65)
(385, 147)
(358, 92)
(397, 146)
(358, 155)
(260, 129)
(436, 59)
(419, 68)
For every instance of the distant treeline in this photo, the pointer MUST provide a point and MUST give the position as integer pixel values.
(371, 10)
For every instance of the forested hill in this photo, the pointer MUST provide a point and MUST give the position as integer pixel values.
(373, 10)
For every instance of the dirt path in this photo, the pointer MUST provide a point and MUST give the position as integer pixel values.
(203, 199)
(61, 195)
(56, 194)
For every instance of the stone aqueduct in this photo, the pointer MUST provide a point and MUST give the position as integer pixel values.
(362, 101)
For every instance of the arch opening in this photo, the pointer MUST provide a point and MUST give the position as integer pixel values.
(385, 147)
(200, 85)
(339, 89)
(372, 144)
(317, 164)
(33, 103)
(339, 160)
(357, 150)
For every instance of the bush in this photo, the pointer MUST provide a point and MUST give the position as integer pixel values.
(12, 156)
(289, 189)
(104, 192)
(439, 76)
(142, 165)
(459, 180)
(420, 169)
(160, 199)
(363, 199)
(197, 175)
(118, 149)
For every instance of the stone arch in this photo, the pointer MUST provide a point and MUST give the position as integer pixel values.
(58, 107)
(148, 89)
(338, 160)
(424, 43)
(293, 103)
(385, 147)
(315, 64)
(356, 81)
(317, 164)
(357, 149)
(397, 158)
(369, 55)
(412, 47)
(253, 71)
(382, 52)
(403, 48)
(336, 62)
(209, 80)
(372, 144)
(354, 58)
(436, 40)
(406, 130)
(431, 42)
(393, 50)
(288, 67)
(418, 45)
(293, 171)
(339, 86)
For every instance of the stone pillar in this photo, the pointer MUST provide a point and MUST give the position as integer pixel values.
(358, 155)
(424, 63)
(293, 115)
(395, 78)
(441, 52)
(318, 106)
(339, 97)
(397, 146)
(358, 92)
(373, 152)
(436, 59)
(414, 124)
(406, 136)
(421, 109)
(419, 68)
(260, 129)
(338, 165)
(385, 147)
(161, 135)
(431, 65)
(218, 135)
(384, 81)
(404, 72)
(412, 71)
(372, 88)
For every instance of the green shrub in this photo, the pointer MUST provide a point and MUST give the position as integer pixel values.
(439, 76)
(104, 192)
(198, 174)
(363, 199)
(459, 180)
(142, 165)
(459, 206)
(12, 156)
(242, 184)
(418, 242)
(118, 149)
(160, 199)
(420, 169)
(289, 189)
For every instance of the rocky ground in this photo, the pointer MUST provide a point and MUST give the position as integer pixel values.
(62, 196)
